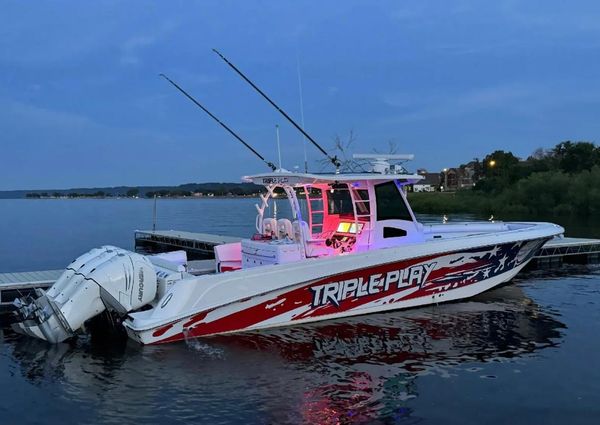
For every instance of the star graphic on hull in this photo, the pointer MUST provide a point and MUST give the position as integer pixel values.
(502, 263)
(494, 251)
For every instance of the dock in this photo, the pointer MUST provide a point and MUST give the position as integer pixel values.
(13, 285)
(200, 246)
(568, 250)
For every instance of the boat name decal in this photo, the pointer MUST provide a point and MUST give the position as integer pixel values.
(275, 180)
(358, 287)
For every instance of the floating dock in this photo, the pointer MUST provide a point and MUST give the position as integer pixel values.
(568, 250)
(13, 285)
(201, 246)
(197, 245)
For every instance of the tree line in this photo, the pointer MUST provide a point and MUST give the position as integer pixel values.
(564, 180)
(500, 170)
(38, 195)
(185, 190)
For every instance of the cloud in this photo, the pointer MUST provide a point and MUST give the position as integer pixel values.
(490, 97)
(555, 18)
(130, 49)
(502, 27)
(193, 78)
(33, 115)
(438, 105)
(52, 34)
(523, 99)
(47, 147)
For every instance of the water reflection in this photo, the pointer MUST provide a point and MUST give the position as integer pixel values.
(348, 371)
(368, 367)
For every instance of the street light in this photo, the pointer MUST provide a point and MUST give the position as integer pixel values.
(492, 163)
(445, 180)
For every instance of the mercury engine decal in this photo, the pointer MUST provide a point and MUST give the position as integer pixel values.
(141, 285)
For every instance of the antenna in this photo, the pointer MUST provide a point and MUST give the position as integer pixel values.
(269, 164)
(381, 162)
(334, 160)
(278, 144)
(302, 113)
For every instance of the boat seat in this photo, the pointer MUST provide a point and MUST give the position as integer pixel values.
(284, 229)
(228, 257)
(297, 232)
(312, 247)
(269, 227)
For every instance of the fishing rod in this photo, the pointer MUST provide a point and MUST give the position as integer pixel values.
(334, 160)
(269, 164)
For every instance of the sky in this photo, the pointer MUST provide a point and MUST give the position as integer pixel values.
(81, 103)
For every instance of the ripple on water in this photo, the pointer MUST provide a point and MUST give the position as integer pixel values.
(204, 349)
(353, 370)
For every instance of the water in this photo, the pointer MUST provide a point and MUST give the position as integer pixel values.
(524, 353)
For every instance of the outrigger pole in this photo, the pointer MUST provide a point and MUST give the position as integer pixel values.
(270, 164)
(334, 160)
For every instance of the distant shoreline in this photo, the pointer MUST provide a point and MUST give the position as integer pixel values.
(71, 198)
(188, 190)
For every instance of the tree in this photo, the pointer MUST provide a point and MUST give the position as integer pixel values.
(541, 160)
(499, 163)
(576, 157)
(477, 169)
(341, 150)
(538, 154)
(500, 170)
(132, 193)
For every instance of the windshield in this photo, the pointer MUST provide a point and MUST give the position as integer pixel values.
(339, 201)
(390, 204)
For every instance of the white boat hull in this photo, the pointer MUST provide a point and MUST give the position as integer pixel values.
(371, 285)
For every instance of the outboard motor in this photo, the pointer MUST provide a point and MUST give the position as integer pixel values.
(107, 278)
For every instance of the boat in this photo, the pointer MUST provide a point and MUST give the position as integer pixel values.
(350, 246)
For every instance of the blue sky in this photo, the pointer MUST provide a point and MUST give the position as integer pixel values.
(81, 103)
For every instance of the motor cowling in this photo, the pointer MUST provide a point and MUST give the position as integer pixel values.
(106, 278)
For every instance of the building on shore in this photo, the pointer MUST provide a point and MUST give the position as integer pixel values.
(462, 177)
(430, 183)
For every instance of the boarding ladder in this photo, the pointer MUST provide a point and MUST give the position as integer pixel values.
(361, 208)
(316, 210)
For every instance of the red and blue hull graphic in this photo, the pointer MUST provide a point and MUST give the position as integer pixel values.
(407, 283)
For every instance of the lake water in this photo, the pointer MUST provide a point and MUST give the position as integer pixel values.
(521, 354)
